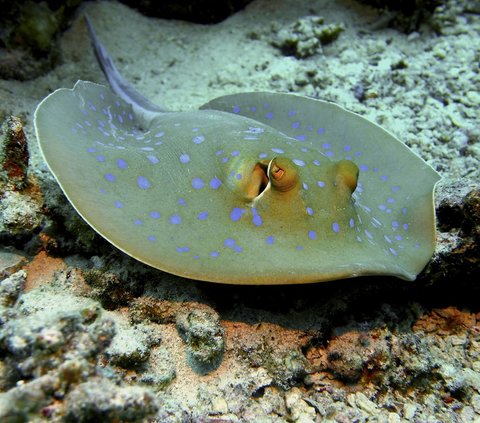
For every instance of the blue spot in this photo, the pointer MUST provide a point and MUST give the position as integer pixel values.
(214, 254)
(100, 158)
(316, 162)
(384, 178)
(182, 201)
(138, 222)
(236, 214)
(363, 168)
(238, 176)
(399, 237)
(120, 118)
(270, 239)
(347, 148)
(395, 188)
(153, 159)
(256, 219)
(184, 158)
(143, 182)
(395, 224)
(310, 211)
(320, 131)
(175, 219)
(326, 146)
(229, 243)
(119, 204)
(236, 109)
(299, 248)
(390, 200)
(159, 134)
(299, 162)
(278, 150)
(151, 238)
(305, 186)
(183, 249)
(335, 227)
(253, 109)
(266, 105)
(122, 164)
(312, 234)
(202, 215)
(393, 251)
(238, 249)
(352, 222)
(292, 113)
(404, 211)
(269, 115)
(197, 183)
(235, 153)
(225, 159)
(329, 153)
(154, 215)
(91, 150)
(300, 137)
(262, 155)
(405, 226)
(295, 125)
(198, 139)
(215, 183)
(110, 177)
(196, 256)
(321, 184)
(358, 153)
(219, 152)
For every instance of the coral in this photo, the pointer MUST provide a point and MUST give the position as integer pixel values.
(305, 37)
(202, 332)
(29, 33)
(102, 400)
(10, 290)
(107, 288)
(132, 344)
(20, 215)
(13, 154)
(55, 351)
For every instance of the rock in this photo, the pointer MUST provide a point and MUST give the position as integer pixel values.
(305, 37)
(14, 154)
(202, 332)
(201, 11)
(102, 400)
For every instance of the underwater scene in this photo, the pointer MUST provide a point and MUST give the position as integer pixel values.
(250, 211)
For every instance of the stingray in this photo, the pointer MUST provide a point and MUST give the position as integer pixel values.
(252, 188)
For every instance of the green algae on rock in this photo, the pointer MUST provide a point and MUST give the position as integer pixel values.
(316, 192)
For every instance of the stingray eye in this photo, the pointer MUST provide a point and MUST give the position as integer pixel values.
(257, 180)
(283, 174)
(346, 174)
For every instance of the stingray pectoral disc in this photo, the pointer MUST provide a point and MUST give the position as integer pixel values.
(230, 195)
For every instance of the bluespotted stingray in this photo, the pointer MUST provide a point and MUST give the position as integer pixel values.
(253, 188)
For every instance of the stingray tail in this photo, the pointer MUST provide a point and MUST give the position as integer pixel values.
(142, 106)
